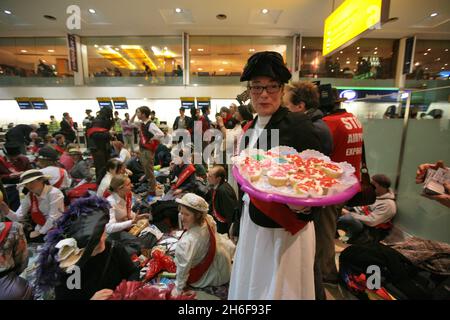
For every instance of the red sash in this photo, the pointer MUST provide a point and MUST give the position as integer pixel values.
(197, 272)
(59, 149)
(91, 131)
(384, 225)
(149, 144)
(5, 231)
(8, 165)
(128, 198)
(217, 215)
(36, 215)
(106, 194)
(190, 169)
(61, 178)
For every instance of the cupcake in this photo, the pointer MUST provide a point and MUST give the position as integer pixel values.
(298, 178)
(252, 171)
(314, 162)
(332, 170)
(313, 173)
(288, 167)
(326, 183)
(277, 178)
(301, 189)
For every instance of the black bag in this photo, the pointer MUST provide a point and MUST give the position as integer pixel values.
(367, 194)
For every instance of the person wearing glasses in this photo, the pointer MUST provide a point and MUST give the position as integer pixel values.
(275, 252)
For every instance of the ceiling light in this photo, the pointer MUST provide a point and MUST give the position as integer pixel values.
(140, 85)
(434, 14)
(429, 49)
(220, 70)
(44, 61)
(348, 62)
(416, 64)
(358, 52)
(195, 85)
(192, 61)
(303, 47)
(341, 52)
(251, 50)
(117, 49)
(190, 49)
(375, 52)
(425, 53)
(376, 48)
(442, 68)
(357, 48)
(51, 50)
(96, 45)
(221, 16)
(23, 50)
(92, 11)
(265, 11)
(426, 68)
(7, 11)
(178, 10)
(337, 58)
(224, 62)
(446, 50)
(438, 59)
(200, 49)
(446, 64)
(199, 69)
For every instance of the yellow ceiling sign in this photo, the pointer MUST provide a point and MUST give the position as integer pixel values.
(350, 20)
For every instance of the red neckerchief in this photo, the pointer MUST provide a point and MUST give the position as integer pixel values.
(197, 272)
(190, 169)
(216, 214)
(385, 225)
(128, 198)
(36, 215)
(278, 212)
(5, 232)
(149, 144)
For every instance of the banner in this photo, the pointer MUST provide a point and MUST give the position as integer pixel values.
(72, 46)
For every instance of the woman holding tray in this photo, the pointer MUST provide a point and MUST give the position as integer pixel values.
(275, 253)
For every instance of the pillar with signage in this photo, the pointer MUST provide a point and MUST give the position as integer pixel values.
(75, 58)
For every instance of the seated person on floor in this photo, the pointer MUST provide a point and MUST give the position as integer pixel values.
(162, 156)
(421, 174)
(44, 203)
(12, 165)
(224, 200)
(59, 144)
(202, 256)
(182, 176)
(135, 166)
(47, 161)
(81, 241)
(376, 217)
(121, 216)
(65, 159)
(13, 260)
(113, 168)
(81, 169)
(120, 151)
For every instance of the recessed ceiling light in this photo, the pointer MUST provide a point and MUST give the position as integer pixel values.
(375, 52)
(376, 48)
(426, 68)
(23, 50)
(224, 62)
(357, 48)
(442, 68)
(348, 62)
(251, 50)
(7, 11)
(438, 59)
(358, 52)
(92, 11)
(221, 16)
(200, 49)
(51, 50)
(426, 53)
(178, 10)
(220, 70)
(337, 58)
(416, 64)
(341, 52)
(195, 85)
(199, 69)
(434, 14)
(96, 45)
(446, 64)
(429, 49)
(190, 49)
(192, 61)
(446, 50)
(304, 47)
(44, 60)
(265, 11)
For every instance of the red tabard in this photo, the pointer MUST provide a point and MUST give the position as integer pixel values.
(197, 272)
(36, 215)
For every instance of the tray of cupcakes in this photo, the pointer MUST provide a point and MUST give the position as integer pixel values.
(282, 174)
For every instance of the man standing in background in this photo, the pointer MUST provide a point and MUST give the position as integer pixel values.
(53, 126)
(128, 132)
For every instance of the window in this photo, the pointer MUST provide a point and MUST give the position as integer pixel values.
(431, 60)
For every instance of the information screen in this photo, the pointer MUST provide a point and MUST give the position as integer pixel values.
(120, 103)
(24, 103)
(105, 103)
(39, 103)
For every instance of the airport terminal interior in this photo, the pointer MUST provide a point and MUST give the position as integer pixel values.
(225, 150)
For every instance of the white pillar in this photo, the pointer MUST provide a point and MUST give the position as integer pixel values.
(399, 76)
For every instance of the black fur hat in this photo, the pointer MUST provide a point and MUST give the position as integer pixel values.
(266, 63)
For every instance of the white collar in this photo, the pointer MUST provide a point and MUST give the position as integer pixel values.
(44, 192)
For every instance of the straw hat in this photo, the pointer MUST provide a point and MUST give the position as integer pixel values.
(193, 201)
(31, 175)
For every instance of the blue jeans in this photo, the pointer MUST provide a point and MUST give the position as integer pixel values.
(350, 225)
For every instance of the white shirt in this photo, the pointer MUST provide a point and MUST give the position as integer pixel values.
(50, 203)
(261, 123)
(153, 129)
(124, 155)
(53, 172)
(191, 250)
(104, 184)
(118, 220)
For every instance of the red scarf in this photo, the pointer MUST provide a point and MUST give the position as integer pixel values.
(91, 131)
(36, 215)
(59, 149)
(278, 212)
(8, 165)
(385, 225)
(197, 272)
(149, 144)
(217, 215)
(5, 231)
(190, 169)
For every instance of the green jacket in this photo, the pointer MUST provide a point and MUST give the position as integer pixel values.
(53, 127)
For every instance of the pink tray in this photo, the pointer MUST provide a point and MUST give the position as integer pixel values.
(310, 202)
